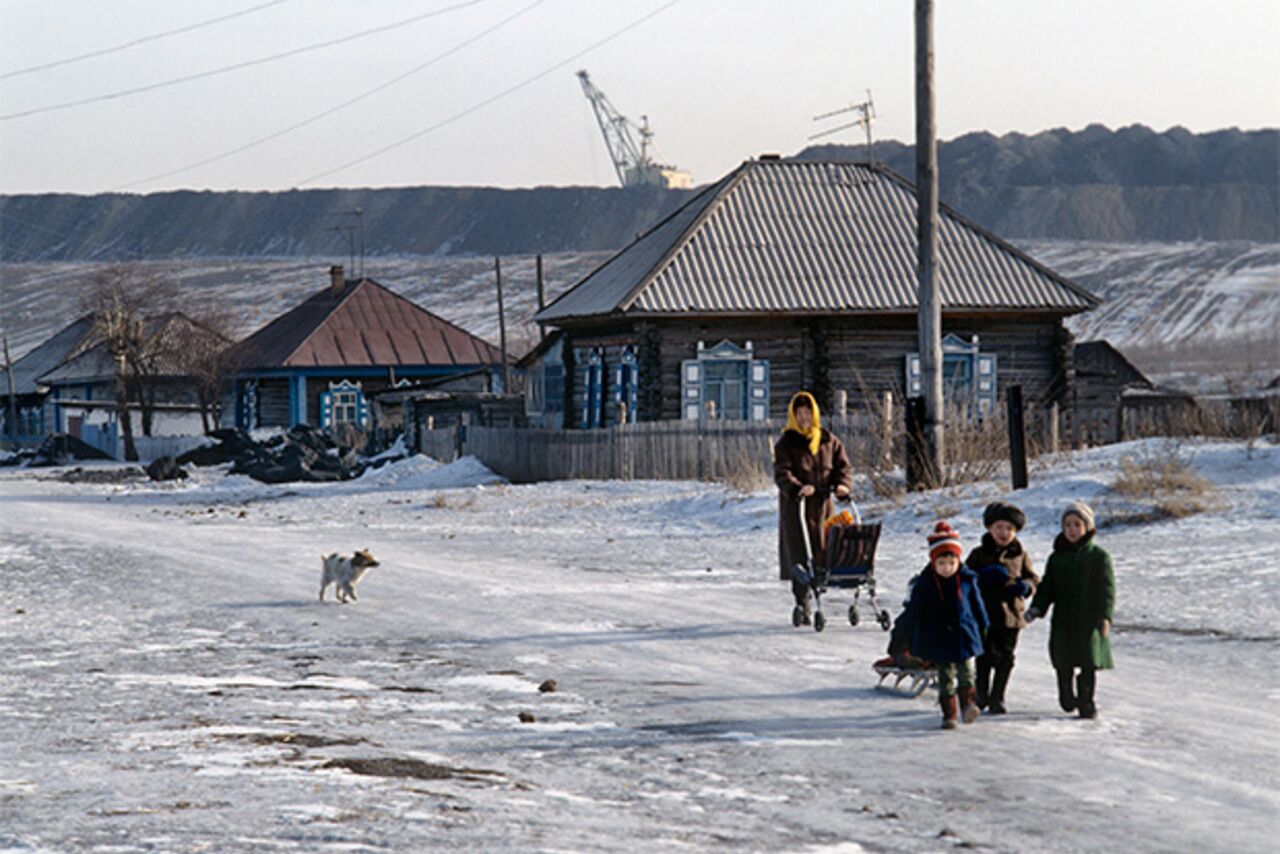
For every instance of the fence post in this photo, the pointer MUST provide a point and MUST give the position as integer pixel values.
(1017, 437)
(917, 457)
(886, 430)
(1053, 427)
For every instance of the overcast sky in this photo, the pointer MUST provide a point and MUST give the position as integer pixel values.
(721, 81)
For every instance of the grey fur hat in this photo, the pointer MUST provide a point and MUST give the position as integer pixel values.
(1084, 511)
(998, 511)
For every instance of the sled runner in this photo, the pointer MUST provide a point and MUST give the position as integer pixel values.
(918, 675)
(847, 563)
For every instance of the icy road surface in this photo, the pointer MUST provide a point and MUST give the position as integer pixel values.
(171, 683)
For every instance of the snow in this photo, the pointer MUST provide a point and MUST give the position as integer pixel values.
(173, 683)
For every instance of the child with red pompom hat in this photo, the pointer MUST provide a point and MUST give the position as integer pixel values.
(945, 620)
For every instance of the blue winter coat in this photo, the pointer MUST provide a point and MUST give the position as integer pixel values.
(945, 617)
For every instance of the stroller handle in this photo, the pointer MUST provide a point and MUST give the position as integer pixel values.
(823, 492)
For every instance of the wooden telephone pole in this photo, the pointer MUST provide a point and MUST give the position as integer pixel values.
(502, 328)
(13, 398)
(929, 320)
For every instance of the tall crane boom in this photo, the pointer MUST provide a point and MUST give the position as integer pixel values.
(632, 163)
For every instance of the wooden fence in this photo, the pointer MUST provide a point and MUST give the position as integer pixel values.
(658, 450)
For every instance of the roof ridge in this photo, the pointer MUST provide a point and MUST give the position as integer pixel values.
(729, 183)
(328, 314)
(987, 234)
(644, 234)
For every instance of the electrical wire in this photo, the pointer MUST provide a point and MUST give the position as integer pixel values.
(143, 40)
(315, 118)
(504, 93)
(151, 87)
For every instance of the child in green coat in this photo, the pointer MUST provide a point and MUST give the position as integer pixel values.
(1080, 582)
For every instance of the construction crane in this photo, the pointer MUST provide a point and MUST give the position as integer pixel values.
(633, 163)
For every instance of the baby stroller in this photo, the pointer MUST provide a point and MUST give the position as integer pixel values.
(847, 563)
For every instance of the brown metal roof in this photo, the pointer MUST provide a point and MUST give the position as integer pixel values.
(364, 324)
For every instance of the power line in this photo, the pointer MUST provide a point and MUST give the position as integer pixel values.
(239, 65)
(504, 93)
(143, 40)
(315, 118)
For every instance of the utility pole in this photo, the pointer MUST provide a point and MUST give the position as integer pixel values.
(929, 320)
(13, 395)
(502, 327)
(542, 300)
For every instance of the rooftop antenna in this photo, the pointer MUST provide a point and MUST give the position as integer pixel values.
(353, 231)
(866, 114)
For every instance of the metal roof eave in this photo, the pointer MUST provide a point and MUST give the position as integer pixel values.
(905, 311)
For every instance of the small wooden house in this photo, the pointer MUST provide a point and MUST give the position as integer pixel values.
(795, 274)
(79, 390)
(37, 413)
(319, 363)
(1115, 401)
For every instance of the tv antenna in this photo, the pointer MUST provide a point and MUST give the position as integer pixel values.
(866, 114)
(353, 230)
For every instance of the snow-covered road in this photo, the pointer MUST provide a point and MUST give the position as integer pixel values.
(171, 683)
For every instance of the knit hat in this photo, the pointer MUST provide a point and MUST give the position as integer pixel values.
(998, 511)
(944, 540)
(1084, 511)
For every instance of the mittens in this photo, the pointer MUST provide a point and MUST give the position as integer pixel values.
(1033, 614)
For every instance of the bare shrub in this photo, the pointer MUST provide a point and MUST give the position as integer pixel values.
(747, 473)
(440, 502)
(1157, 483)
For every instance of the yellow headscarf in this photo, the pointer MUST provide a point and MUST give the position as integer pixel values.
(814, 433)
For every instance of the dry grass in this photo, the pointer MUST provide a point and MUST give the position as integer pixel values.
(746, 472)
(1155, 484)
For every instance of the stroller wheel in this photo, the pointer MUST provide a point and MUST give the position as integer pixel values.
(797, 616)
(819, 621)
(884, 620)
(853, 615)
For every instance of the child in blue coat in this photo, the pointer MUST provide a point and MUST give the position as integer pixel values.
(945, 620)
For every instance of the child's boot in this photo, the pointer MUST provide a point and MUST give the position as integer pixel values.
(969, 704)
(999, 683)
(1085, 683)
(1066, 696)
(982, 673)
(948, 703)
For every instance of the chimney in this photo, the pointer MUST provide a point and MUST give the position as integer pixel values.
(337, 278)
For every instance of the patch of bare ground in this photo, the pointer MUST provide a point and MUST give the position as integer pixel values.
(291, 739)
(392, 766)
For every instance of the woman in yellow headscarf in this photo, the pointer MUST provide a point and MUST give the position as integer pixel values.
(805, 459)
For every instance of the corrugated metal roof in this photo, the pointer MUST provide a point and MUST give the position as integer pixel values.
(61, 346)
(778, 236)
(363, 324)
(95, 364)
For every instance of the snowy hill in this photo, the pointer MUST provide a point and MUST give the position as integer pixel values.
(1200, 308)
(172, 682)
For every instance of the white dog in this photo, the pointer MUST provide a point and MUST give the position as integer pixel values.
(344, 573)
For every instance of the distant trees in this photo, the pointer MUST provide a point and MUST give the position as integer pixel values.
(149, 343)
(207, 360)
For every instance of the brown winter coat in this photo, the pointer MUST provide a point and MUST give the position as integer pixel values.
(793, 467)
(1001, 603)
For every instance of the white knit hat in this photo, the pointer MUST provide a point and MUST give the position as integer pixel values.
(1084, 511)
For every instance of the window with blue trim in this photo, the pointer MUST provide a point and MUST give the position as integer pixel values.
(968, 375)
(344, 403)
(725, 382)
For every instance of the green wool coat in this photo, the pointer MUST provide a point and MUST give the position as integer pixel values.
(1080, 585)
